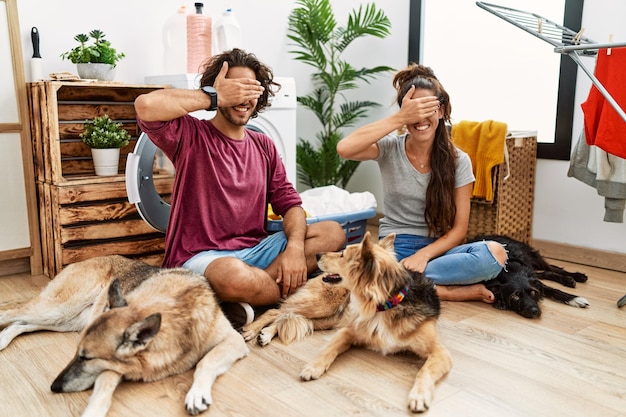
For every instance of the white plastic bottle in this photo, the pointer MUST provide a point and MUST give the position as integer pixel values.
(228, 32)
(175, 43)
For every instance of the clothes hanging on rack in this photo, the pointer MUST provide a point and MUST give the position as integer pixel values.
(604, 127)
(603, 171)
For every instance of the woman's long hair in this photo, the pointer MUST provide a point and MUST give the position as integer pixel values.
(440, 208)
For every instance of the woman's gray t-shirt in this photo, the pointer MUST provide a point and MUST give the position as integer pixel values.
(404, 187)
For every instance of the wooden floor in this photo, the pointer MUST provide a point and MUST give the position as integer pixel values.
(570, 362)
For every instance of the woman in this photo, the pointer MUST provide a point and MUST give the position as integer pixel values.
(426, 186)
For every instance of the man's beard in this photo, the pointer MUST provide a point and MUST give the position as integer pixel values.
(227, 115)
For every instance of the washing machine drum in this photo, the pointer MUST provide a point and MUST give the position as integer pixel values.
(140, 184)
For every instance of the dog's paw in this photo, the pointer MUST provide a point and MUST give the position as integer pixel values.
(578, 302)
(310, 372)
(579, 277)
(248, 334)
(197, 400)
(420, 402)
(264, 338)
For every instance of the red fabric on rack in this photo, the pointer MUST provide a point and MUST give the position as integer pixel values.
(604, 127)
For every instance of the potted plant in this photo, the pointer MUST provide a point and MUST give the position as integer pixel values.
(97, 60)
(320, 42)
(105, 138)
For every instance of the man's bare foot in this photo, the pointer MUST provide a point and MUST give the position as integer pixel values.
(474, 292)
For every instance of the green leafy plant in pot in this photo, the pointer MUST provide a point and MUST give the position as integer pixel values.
(320, 42)
(97, 60)
(105, 138)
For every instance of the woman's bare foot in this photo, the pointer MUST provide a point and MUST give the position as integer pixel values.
(474, 292)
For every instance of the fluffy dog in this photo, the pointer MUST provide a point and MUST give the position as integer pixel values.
(315, 306)
(138, 323)
(519, 287)
(391, 310)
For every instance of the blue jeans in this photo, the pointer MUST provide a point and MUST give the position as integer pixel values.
(465, 264)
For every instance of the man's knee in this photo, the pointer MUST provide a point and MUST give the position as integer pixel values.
(229, 277)
(330, 234)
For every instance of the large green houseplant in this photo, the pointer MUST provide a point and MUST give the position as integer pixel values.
(96, 60)
(320, 42)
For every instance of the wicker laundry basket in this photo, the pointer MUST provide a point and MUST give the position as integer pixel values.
(511, 211)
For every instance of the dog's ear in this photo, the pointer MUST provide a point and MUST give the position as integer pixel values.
(387, 242)
(116, 298)
(138, 335)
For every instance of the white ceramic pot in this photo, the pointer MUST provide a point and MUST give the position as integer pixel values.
(106, 161)
(102, 72)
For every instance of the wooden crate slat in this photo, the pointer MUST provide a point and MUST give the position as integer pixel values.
(126, 248)
(100, 212)
(107, 230)
(74, 112)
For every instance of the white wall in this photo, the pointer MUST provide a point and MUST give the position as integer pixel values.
(566, 210)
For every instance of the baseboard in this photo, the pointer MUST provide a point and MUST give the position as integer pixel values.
(14, 266)
(584, 256)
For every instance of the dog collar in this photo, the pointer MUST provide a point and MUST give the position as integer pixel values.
(394, 300)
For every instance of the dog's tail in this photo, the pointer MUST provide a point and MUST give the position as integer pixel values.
(292, 327)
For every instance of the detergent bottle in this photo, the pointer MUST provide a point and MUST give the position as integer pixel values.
(175, 43)
(199, 39)
(228, 32)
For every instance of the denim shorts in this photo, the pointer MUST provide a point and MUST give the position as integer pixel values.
(469, 263)
(260, 256)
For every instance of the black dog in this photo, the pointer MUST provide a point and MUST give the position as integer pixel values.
(519, 288)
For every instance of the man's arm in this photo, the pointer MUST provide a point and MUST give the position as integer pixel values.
(292, 269)
(169, 104)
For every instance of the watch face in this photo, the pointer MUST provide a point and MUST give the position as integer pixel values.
(211, 92)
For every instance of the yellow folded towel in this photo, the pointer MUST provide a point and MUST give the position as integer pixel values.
(484, 143)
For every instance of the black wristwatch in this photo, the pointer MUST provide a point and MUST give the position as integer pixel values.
(210, 91)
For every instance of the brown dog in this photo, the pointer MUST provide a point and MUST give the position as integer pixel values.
(139, 323)
(375, 302)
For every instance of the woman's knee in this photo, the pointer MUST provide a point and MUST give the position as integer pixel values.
(498, 251)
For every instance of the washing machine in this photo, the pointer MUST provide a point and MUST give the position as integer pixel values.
(277, 121)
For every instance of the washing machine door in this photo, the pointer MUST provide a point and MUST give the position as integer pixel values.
(140, 183)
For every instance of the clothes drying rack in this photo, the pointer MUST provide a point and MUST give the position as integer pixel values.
(564, 40)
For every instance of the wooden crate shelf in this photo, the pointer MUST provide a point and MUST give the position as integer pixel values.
(82, 215)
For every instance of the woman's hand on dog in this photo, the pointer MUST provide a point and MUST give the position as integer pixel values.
(416, 262)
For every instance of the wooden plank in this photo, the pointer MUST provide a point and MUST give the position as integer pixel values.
(111, 189)
(73, 130)
(107, 230)
(68, 91)
(102, 212)
(118, 247)
(73, 112)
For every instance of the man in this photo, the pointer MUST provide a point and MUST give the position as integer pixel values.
(225, 177)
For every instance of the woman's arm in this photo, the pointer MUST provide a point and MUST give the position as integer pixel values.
(454, 237)
(361, 144)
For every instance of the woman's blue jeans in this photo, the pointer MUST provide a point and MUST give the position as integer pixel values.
(465, 264)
